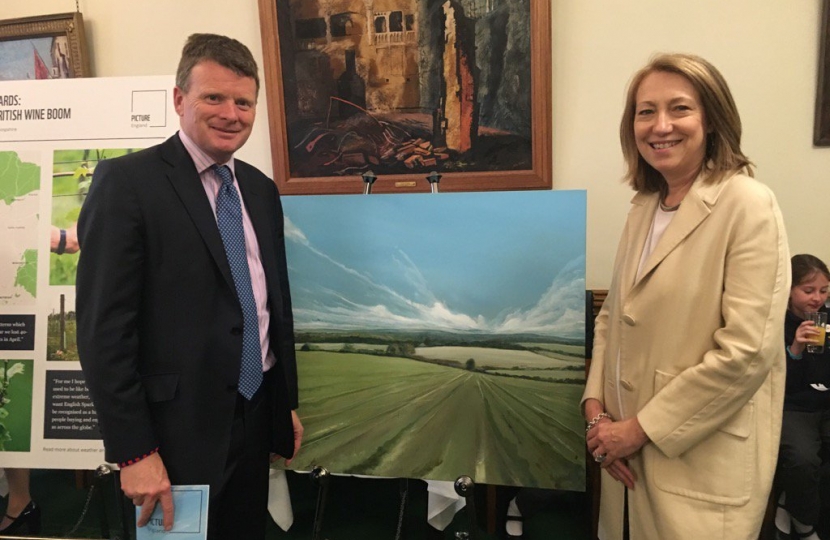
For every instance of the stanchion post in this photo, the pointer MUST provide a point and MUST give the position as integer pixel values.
(465, 487)
(102, 474)
(321, 477)
(126, 517)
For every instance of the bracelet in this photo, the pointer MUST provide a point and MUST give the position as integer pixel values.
(596, 420)
(61, 243)
(791, 355)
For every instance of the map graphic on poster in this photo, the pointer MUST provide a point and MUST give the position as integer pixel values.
(19, 208)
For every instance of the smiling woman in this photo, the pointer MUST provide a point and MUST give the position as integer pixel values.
(684, 396)
(669, 129)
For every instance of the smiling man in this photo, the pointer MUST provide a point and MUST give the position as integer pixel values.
(185, 331)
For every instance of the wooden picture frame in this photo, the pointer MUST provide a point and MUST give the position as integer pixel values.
(821, 136)
(493, 132)
(68, 58)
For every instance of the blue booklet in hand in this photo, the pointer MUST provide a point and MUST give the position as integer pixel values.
(190, 516)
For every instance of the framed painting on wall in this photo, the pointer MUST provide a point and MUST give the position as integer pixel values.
(822, 126)
(405, 89)
(43, 47)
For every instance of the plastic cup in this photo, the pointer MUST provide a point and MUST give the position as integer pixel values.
(820, 320)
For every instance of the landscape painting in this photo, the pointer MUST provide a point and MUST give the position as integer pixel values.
(441, 335)
(407, 87)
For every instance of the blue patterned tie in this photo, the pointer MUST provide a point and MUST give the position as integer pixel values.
(229, 219)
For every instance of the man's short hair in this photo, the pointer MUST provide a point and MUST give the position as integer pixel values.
(225, 51)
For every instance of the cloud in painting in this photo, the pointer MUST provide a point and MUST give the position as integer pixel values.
(330, 295)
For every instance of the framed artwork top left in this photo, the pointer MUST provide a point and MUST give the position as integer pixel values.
(43, 47)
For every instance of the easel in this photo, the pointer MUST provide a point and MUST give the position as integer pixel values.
(463, 485)
(369, 178)
(321, 476)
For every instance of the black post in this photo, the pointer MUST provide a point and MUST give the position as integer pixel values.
(321, 477)
(465, 487)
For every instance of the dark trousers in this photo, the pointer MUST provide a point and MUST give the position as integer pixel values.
(239, 508)
(805, 441)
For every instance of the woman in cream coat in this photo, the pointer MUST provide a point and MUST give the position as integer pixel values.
(685, 395)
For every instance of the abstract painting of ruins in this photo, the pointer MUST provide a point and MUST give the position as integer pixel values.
(403, 88)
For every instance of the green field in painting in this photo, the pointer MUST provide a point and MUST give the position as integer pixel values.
(349, 347)
(562, 348)
(550, 374)
(492, 358)
(399, 417)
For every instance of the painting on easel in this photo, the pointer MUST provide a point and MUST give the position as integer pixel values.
(441, 335)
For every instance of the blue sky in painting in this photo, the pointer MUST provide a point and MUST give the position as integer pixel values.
(18, 58)
(501, 262)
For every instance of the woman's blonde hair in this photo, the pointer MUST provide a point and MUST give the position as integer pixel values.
(722, 123)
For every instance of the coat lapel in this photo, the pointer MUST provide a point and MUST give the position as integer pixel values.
(639, 223)
(696, 207)
(185, 180)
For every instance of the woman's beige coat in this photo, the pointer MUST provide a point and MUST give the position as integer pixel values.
(694, 349)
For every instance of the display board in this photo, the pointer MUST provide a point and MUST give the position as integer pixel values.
(52, 135)
(441, 335)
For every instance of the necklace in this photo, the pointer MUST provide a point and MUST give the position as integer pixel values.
(665, 208)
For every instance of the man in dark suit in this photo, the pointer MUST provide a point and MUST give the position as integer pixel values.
(185, 331)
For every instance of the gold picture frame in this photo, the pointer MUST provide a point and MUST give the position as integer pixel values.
(68, 56)
(313, 56)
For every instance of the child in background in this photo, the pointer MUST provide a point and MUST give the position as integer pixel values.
(805, 434)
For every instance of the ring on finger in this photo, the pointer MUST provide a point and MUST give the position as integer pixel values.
(599, 458)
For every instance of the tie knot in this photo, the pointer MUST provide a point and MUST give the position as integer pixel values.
(224, 173)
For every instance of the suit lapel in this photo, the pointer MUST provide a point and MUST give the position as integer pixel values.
(185, 180)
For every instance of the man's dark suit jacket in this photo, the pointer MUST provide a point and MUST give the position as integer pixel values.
(159, 322)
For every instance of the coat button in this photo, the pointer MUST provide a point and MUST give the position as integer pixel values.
(627, 385)
(629, 320)
(236, 331)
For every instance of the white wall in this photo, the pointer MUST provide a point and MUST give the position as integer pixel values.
(766, 49)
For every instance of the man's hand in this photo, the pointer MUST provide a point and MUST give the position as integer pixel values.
(298, 438)
(146, 483)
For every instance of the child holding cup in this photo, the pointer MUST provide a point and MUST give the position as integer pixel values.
(805, 434)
